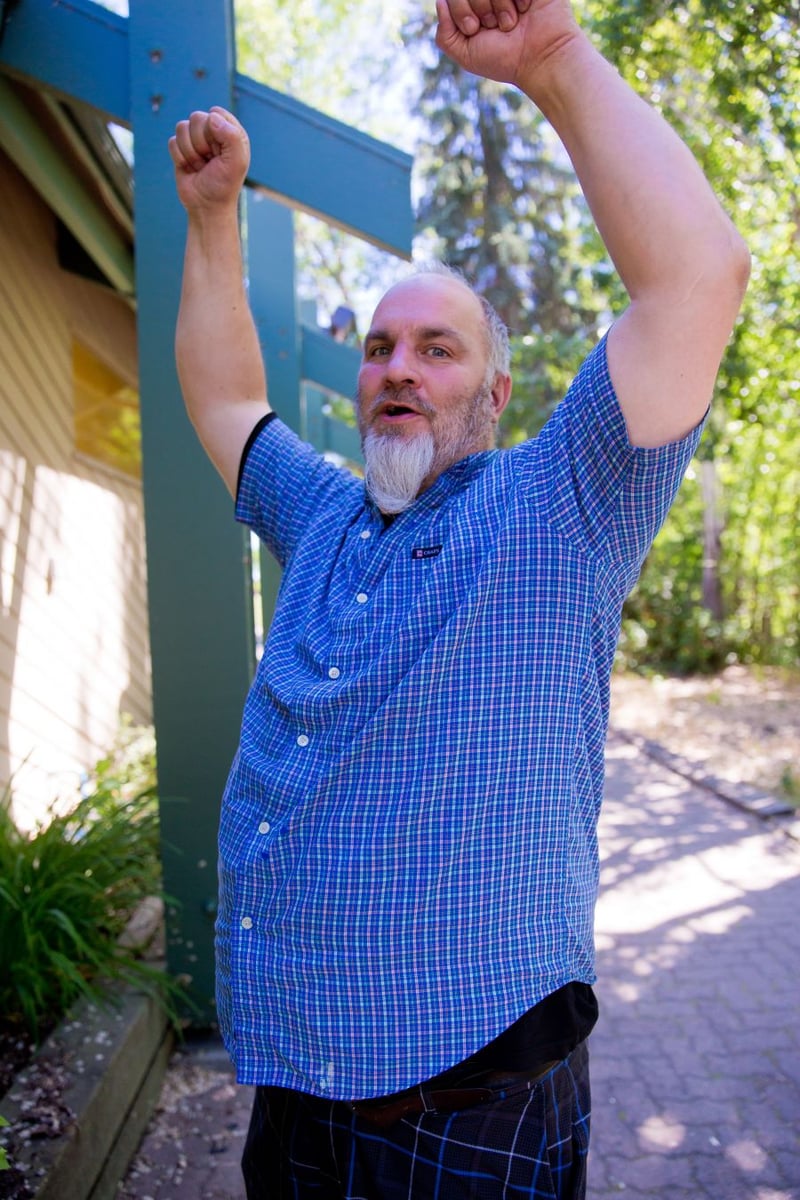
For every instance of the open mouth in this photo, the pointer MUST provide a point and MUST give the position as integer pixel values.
(399, 410)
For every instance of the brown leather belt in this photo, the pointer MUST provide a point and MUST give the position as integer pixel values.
(384, 1111)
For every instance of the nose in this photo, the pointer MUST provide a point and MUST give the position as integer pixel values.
(401, 367)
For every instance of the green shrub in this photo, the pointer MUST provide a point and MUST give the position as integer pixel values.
(67, 891)
(4, 1163)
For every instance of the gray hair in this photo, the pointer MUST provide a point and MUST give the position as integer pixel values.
(497, 346)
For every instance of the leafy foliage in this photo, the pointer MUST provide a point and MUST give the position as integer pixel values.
(727, 76)
(326, 54)
(66, 893)
(504, 207)
(501, 202)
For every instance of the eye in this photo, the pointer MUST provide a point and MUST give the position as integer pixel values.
(438, 352)
(377, 351)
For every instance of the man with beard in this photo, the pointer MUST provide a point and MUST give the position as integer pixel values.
(408, 859)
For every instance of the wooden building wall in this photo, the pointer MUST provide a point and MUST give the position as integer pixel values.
(74, 647)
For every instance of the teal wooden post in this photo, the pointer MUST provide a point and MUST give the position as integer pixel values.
(148, 72)
(181, 58)
(271, 275)
(271, 278)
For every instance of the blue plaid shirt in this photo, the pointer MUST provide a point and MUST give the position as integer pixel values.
(408, 856)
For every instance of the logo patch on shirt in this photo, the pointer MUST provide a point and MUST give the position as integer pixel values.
(426, 551)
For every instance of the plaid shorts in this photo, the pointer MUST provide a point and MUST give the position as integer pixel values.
(528, 1140)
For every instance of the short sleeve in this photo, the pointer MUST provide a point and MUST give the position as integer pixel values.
(588, 479)
(283, 482)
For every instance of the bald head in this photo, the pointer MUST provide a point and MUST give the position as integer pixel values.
(492, 327)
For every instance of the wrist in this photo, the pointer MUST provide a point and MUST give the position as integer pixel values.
(214, 224)
(561, 67)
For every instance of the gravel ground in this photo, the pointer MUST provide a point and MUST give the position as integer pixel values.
(742, 725)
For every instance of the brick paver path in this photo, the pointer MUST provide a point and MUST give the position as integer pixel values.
(696, 1058)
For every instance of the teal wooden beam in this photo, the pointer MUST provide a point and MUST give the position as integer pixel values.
(81, 51)
(78, 146)
(199, 598)
(342, 439)
(77, 50)
(314, 405)
(327, 168)
(328, 363)
(327, 432)
(28, 147)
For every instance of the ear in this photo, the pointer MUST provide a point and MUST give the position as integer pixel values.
(500, 394)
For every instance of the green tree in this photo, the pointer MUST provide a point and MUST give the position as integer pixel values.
(326, 53)
(727, 75)
(723, 578)
(500, 201)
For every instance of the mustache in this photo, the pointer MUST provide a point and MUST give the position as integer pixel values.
(403, 395)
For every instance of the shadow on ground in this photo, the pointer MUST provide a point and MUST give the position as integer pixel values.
(696, 1059)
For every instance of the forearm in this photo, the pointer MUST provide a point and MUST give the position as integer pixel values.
(217, 350)
(659, 219)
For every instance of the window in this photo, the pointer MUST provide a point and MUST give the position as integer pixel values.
(107, 424)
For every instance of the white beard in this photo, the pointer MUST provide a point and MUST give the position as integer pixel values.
(396, 468)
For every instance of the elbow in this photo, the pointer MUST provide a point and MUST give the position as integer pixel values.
(736, 267)
(738, 276)
(740, 263)
(722, 282)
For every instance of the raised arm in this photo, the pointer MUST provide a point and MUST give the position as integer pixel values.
(216, 346)
(683, 264)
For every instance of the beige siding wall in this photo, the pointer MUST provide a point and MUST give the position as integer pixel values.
(74, 649)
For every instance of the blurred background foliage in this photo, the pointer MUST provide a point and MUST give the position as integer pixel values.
(496, 196)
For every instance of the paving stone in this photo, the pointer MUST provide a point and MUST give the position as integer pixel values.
(718, 932)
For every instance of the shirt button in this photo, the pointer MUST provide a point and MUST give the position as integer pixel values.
(303, 739)
(362, 597)
(247, 922)
(264, 827)
(365, 533)
(333, 673)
